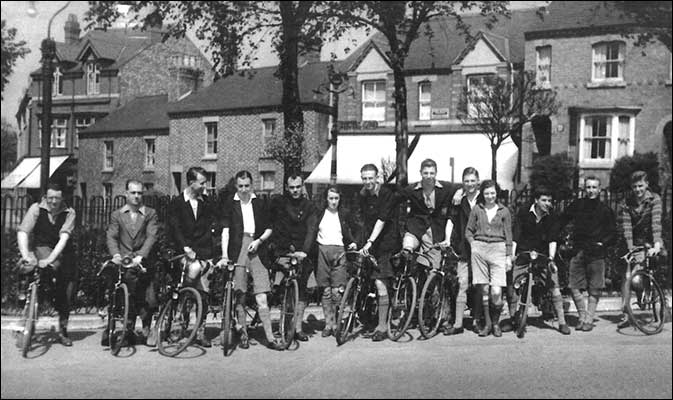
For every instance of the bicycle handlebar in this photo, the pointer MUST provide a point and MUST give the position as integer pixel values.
(635, 250)
(127, 263)
(369, 257)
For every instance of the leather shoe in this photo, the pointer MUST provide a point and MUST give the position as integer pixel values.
(497, 332)
(244, 342)
(203, 341)
(564, 329)
(105, 340)
(453, 331)
(624, 323)
(327, 332)
(587, 327)
(507, 326)
(300, 336)
(379, 336)
(275, 345)
(64, 339)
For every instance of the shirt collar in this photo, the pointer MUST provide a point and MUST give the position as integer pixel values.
(534, 211)
(185, 195)
(126, 208)
(419, 185)
(43, 204)
(238, 198)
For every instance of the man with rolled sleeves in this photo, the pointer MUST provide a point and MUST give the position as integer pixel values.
(132, 233)
(51, 222)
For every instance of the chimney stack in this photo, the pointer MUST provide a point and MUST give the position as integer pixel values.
(71, 29)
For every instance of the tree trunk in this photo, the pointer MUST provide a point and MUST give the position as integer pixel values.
(494, 162)
(401, 124)
(293, 118)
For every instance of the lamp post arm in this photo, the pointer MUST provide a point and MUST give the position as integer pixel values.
(52, 19)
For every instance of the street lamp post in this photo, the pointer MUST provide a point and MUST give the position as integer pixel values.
(48, 49)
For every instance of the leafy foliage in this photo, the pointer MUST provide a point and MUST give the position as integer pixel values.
(288, 150)
(9, 141)
(556, 172)
(620, 176)
(11, 51)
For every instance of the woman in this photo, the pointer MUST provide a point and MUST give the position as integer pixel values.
(489, 232)
(334, 235)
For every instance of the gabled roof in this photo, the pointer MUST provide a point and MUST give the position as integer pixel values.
(446, 44)
(115, 44)
(260, 90)
(370, 45)
(142, 114)
(564, 15)
(499, 46)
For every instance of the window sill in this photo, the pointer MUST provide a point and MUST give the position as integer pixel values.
(605, 84)
(108, 170)
(596, 164)
(209, 157)
(148, 170)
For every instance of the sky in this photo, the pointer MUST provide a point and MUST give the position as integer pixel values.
(34, 29)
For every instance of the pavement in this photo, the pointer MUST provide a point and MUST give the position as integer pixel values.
(313, 312)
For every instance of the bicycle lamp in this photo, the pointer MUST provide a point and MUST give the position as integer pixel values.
(293, 261)
(230, 267)
(533, 255)
(126, 261)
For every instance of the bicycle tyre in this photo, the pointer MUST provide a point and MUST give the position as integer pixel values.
(287, 312)
(179, 312)
(346, 313)
(227, 320)
(404, 302)
(646, 310)
(30, 314)
(118, 318)
(522, 309)
(431, 305)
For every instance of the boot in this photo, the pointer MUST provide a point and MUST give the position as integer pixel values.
(495, 318)
(486, 330)
(63, 332)
(201, 338)
(299, 319)
(477, 313)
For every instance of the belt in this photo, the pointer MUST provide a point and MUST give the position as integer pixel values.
(250, 235)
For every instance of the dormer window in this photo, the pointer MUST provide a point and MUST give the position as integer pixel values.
(57, 86)
(374, 101)
(92, 78)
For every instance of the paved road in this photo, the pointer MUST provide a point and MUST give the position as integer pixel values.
(602, 363)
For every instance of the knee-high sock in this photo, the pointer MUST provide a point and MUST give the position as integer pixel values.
(557, 299)
(384, 304)
(578, 299)
(591, 308)
(265, 316)
(299, 315)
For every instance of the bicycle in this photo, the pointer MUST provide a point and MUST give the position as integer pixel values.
(438, 294)
(358, 302)
(30, 312)
(645, 303)
(289, 265)
(405, 292)
(181, 314)
(532, 288)
(119, 304)
(228, 312)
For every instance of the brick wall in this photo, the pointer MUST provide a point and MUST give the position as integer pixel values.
(648, 87)
(129, 162)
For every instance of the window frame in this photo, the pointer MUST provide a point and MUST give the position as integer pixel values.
(108, 155)
(264, 181)
(150, 157)
(424, 103)
(80, 126)
(377, 103)
(471, 110)
(615, 138)
(543, 66)
(621, 61)
(208, 141)
(59, 133)
(92, 78)
(57, 83)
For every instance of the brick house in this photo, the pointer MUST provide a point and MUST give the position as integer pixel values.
(96, 74)
(438, 69)
(616, 97)
(225, 128)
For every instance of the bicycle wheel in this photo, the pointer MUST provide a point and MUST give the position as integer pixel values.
(346, 314)
(29, 316)
(431, 305)
(645, 304)
(227, 320)
(402, 308)
(524, 303)
(179, 321)
(287, 312)
(118, 318)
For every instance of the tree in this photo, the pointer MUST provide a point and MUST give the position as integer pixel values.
(653, 19)
(500, 106)
(400, 22)
(556, 172)
(11, 51)
(233, 31)
(8, 145)
(620, 175)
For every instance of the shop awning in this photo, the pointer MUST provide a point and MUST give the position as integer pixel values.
(27, 173)
(467, 150)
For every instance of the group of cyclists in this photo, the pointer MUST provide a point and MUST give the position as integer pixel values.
(467, 218)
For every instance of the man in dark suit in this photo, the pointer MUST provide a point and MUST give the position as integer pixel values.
(246, 226)
(132, 233)
(191, 218)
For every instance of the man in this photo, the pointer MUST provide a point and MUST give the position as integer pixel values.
(246, 226)
(294, 224)
(537, 228)
(459, 216)
(379, 237)
(639, 222)
(51, 222)
(593, 224)
(132, 233)
(191, 218)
